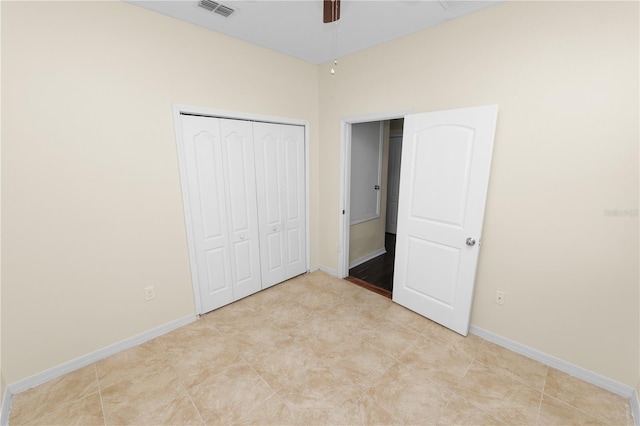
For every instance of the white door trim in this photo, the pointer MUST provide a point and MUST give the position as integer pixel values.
(179, 109)
(345, 180)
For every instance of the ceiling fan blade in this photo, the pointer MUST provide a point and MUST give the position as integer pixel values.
(331, 11)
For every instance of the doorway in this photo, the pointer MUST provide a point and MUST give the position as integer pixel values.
(367, 249)
(446, 160)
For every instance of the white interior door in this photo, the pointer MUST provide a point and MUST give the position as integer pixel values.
(446, 160)
(295, 199)
(203, 152)
(221, 189)
(270, 180)
(242, 209)
(393, 183)
(280, 173)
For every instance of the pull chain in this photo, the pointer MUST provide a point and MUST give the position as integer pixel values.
(334, 13)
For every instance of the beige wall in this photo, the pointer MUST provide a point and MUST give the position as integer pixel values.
(2, 383)
(565, 76)
(368, 237)
(92, 209)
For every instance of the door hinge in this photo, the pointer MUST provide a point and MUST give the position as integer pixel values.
(344, 211)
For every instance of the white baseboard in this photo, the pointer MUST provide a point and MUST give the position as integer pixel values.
(635, 407)
(566, 367)
(370, 256)
(6, 407)
(324, 269)
(92, 357)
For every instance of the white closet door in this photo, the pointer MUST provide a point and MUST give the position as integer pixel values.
(271, 176)
(281, 199)
(237, 144)
(208, 210)
(295, 200)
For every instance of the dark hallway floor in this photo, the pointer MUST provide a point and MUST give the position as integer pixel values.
(379, 270)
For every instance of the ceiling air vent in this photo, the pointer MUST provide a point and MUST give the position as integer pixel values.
(215, 7)
(223, 10)
(208, 4)
(453, 4)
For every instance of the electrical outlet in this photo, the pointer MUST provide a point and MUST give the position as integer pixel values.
(499, 297)
(149, 293)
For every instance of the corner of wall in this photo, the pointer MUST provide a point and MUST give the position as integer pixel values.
(5, 401)
(635, 405)
(3, 390)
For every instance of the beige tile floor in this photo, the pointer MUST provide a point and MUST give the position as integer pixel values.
(317, 350)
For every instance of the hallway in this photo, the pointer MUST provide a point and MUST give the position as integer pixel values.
(379, 270)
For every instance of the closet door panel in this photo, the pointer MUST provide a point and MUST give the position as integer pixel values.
(295, 199)
(207, 205)
(237, 143)
(270, 160)
(293, 243)
(218, 275)
(274, 261)
(270, 180)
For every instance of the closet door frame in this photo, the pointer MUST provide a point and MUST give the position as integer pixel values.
(178, 110)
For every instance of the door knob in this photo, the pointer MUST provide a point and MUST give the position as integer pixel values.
(242, 238)
(471, 242)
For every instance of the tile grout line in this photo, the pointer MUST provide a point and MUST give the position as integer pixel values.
(568, 404)
(180, 380)
(473, 359)
(593, 416)
(366, 394)
(104, 415)
(192, 401)
(444, 408)
(544, 384)
(259, 375)
(506, 372)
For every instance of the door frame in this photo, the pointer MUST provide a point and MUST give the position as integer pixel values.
(179, 109)
(345, 180)
(397, 135)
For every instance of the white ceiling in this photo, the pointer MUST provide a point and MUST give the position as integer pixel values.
(295, 27)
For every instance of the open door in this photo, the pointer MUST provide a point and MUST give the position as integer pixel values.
(446, 159)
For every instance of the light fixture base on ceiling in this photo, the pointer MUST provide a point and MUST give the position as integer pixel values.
(331, 11)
